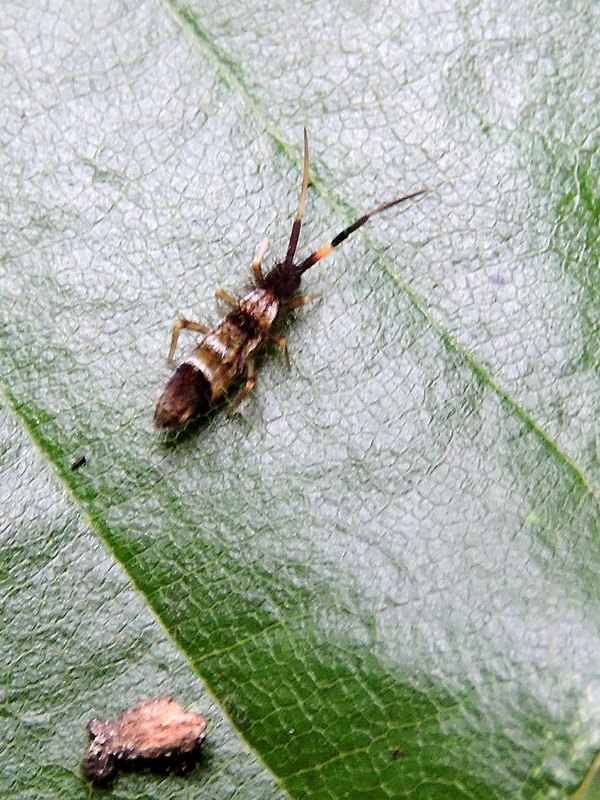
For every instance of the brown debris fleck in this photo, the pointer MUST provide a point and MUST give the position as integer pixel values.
(157, 732)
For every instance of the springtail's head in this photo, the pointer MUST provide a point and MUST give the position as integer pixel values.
(283, 281)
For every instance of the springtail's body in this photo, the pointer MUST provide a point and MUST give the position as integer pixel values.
(229, 348)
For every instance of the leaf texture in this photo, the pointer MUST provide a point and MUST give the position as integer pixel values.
(380, 577)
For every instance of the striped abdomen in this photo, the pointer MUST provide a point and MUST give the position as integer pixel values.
(210, 368)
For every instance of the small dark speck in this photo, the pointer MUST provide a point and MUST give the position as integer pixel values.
(497, 279)
(78, 463)
(398, 753)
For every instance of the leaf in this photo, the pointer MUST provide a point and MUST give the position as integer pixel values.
(589, 789)
(384, 569)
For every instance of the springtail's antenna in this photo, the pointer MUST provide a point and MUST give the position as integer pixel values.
(326, 249)
(291, 251)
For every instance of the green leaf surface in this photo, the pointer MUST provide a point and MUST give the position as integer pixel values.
(380, 578)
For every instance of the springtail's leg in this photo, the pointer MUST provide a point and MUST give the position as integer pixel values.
(177, 328)
(256, 264)
(281, 341)
(298, 302)
(227, 298)
(250, 384)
